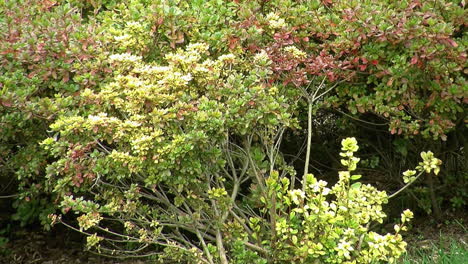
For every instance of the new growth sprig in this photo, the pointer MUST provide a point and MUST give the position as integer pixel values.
(429, 164)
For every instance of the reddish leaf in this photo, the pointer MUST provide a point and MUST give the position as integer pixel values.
(6, 103)
(390, 82)
(160, 21)
(180, 37)
(66, 77)
(327, 2)
(31, 74)
(233, 42)
(414, 4)
(452, 42)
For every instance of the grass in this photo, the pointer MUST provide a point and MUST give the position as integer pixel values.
(446, 251)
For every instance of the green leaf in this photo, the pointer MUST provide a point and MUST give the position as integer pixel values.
(356, 185)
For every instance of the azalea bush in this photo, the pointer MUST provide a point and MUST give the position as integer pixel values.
(160, 146)
(403, 62)
(273, 223)
(182, 161)
(399, 70)
(47, 54)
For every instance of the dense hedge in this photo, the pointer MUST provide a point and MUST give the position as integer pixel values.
(180, 127)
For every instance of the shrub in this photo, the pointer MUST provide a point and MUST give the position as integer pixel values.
(47, 55)
(155, 143)
(386, 66)
(176, 150)
(162, 159)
